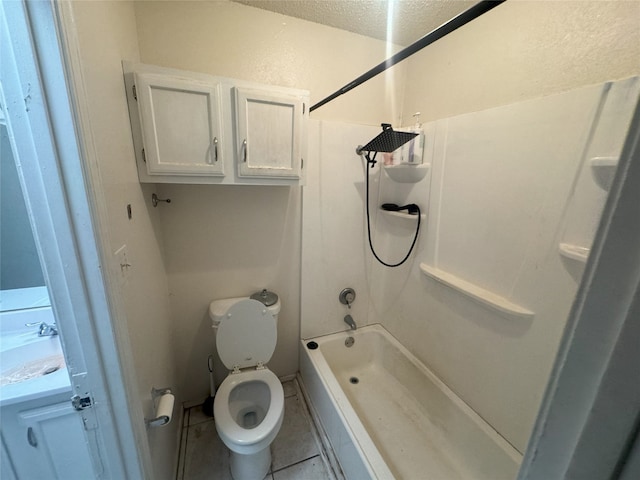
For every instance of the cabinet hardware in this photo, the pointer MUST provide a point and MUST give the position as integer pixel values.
(215, 149)
(244, 150)
(31, 437)
(135, 94)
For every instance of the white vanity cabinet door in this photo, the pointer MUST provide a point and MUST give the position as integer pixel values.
(269, 133)
(47, 441)
(181, 125)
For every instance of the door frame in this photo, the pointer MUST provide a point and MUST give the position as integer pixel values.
(42, 96)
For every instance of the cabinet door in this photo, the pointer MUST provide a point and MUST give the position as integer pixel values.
(46, 442)
(181, 126)
(268, 133)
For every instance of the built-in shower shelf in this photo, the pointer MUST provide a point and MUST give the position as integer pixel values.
(574, 252)
(407, 172)
(476, 293)
(403, 215)
(604, 169)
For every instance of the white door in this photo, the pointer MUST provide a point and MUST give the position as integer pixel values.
(268, 133)
(36, 103)
(181, 126)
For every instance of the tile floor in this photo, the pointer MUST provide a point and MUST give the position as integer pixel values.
(296, 453)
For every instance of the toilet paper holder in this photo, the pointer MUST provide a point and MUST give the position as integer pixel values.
(162, 399)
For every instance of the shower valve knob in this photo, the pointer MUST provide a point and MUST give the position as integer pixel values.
(347, 296)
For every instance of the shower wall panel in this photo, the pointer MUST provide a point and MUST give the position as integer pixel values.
(500, 199)
(333, 230)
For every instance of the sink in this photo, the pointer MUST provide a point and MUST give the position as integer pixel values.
(33, 360)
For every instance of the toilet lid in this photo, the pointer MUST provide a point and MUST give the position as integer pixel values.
(247, 334)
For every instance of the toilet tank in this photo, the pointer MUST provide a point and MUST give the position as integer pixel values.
(219, 308)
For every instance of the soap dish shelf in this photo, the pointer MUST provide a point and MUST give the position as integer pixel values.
(476, 293)
(407, 172)
(403, 215)
(603, 170)
(574, 252)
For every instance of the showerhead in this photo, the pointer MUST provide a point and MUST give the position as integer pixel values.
(387, 141)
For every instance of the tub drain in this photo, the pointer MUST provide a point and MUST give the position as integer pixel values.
(50, 370)
(354, 380)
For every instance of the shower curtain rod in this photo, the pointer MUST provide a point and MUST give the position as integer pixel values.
(443, 30)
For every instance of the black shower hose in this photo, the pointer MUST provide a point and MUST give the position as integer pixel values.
(370, 164)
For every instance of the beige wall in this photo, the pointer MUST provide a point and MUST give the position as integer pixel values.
(225, 241)
(107, 34)
(521, 50)
(228, 39)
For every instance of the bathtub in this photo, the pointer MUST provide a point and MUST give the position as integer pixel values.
(388, 416)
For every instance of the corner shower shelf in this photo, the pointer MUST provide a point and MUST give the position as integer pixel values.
(604, 169)
(476, 293)
(574, 252)
(403, 215)
(406, 172)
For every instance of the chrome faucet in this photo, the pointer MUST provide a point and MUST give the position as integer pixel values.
(44, 329)
(348, 319)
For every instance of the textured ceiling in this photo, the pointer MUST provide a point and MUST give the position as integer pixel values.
(412, 19)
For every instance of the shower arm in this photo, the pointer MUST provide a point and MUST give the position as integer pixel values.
(446, 28)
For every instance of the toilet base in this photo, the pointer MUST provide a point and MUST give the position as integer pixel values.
(250, 467)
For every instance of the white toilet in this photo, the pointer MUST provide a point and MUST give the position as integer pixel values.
(249, 404)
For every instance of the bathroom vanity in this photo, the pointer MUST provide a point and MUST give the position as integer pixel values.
(42, 434)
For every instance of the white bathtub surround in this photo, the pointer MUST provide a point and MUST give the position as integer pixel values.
(388, 416)
(334, 235)
(506, 187)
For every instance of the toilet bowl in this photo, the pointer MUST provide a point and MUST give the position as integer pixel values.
(249, 404)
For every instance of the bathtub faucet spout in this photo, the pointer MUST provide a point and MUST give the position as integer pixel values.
(348, 319)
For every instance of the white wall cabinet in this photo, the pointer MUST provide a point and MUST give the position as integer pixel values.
(195, 128)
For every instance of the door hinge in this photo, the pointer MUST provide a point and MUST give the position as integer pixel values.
(135, 93)
(302, 163)
(304, 107)
(80, 403)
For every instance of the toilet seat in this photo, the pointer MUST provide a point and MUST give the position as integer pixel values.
(242, 440)
(247, 335)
